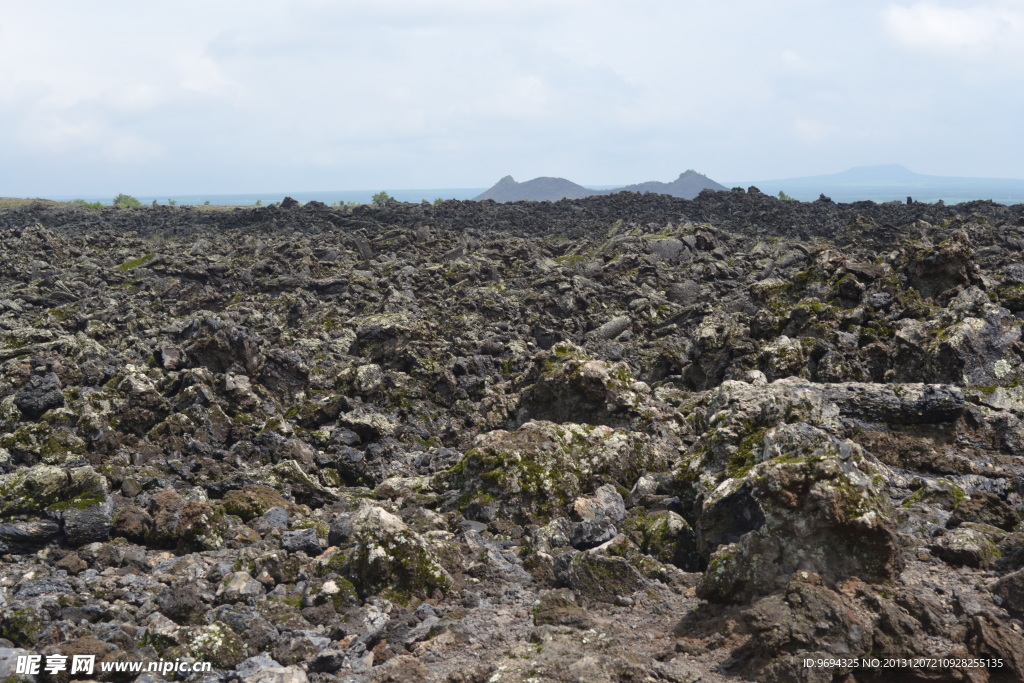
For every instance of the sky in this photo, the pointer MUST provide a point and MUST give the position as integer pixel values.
(230, 97)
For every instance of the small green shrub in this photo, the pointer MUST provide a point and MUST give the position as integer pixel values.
(259, 202)
(382, 198)
(87, 205)
(126, 200)
(785, 197)
(171, 202)
(206, 203)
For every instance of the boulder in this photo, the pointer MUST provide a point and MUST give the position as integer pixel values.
(380, 553)
(537, 470)
(40, 394)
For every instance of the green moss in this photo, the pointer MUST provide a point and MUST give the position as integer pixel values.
(346, 596)
(80, 503)
(958, 495)
(136, 262)
(22, 627)
(914, 498)
(318, 525)
(218, 644)
(745, 457)
(14, 343)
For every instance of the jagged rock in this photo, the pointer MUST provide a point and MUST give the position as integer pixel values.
(383, 554)
(665, 536)
(559, 608)
(824, 509)
(181, 606)
(460, 392)
(540, 467)
(991, 639)
(1009, 589)
(966, 545)
(285, 674)
(571, 387)
(782, 357)
(597, 575)
(238, 587)
(984, 508)
(717, 342)
(9, 665)
(132, 523)
(597, 519)
(200, 526)
(401, 668)
(304, 540)
(948, 265)
(87, 524)
(76, 496)
(252, 501)
(40, 394)
(29, 532)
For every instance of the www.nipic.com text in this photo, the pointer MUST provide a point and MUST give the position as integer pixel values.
(86, 664)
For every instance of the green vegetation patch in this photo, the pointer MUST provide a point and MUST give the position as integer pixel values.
(136, 262)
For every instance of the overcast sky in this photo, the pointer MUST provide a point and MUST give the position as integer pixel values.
(223, 97)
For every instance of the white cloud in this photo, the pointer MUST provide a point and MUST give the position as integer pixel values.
(128, 148)
(980, 30)
(326, 94)
(813, 132)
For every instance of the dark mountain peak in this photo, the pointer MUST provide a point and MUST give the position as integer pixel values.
(537, 190)
(687, 186)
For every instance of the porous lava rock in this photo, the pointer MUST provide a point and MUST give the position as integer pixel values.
(625, 437)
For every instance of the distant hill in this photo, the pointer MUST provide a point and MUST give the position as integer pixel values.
(687, 186)
(538, 190)
(892, 182)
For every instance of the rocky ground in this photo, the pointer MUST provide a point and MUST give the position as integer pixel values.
(626, 438)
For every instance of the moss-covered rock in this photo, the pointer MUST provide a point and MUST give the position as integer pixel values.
(665, 536)
(217, 643)
(201, 526)
(969, 545)
(559, 608)
(382, 555)
(613, 570)
(567, 385)
(824, 511)
(289, 477)
(253, 501)
(51, 489)
(535, 471)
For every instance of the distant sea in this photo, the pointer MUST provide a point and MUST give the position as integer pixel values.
(358, 196)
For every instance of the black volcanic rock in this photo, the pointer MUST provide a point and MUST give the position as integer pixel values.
(624, 437)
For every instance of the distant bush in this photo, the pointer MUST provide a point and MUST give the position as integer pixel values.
(259, 202)
(785, 197)
(87, 205)
(171, 202)
(382, 198)
(126, 200)
(206, 203)
(439, 201)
